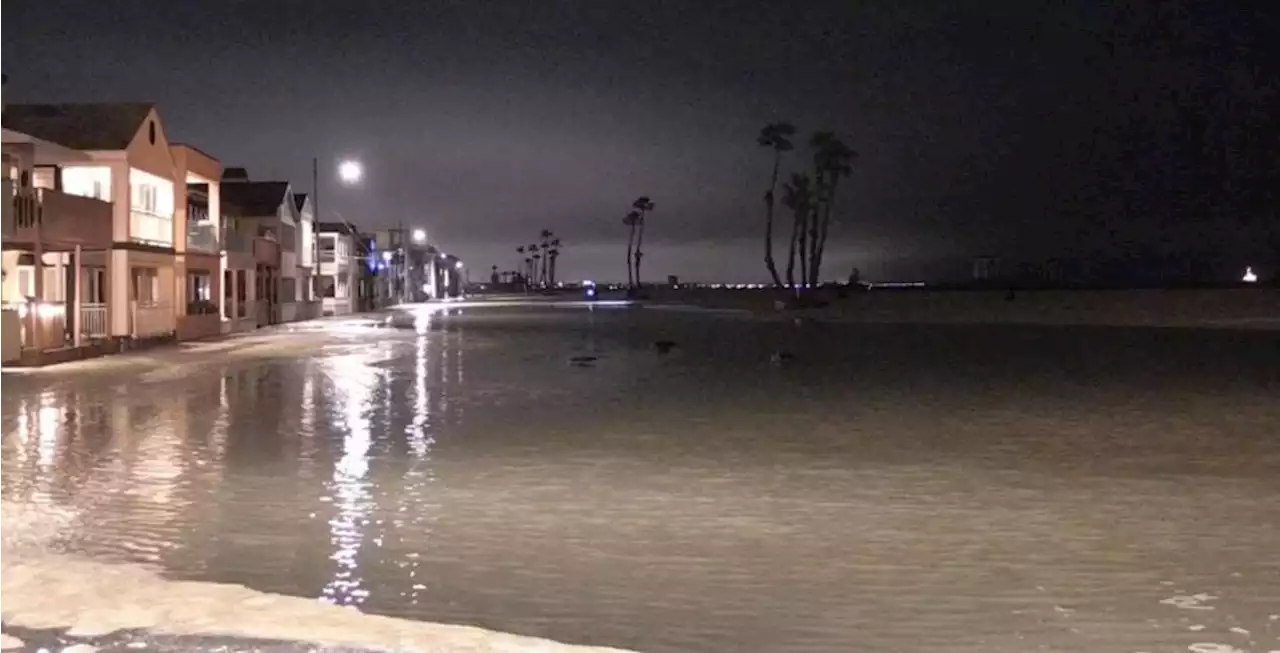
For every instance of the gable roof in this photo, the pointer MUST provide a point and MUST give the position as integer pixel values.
(299, 200)
(253, 198)
(95, 126)
(337, 228)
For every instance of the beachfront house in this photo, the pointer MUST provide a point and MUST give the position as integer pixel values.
(339, 256)
(115, 154)
(198, 250)
(265, 212)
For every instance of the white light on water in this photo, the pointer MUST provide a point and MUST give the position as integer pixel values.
(1249, 276)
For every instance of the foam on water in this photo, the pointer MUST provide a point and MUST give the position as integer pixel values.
(88, 599)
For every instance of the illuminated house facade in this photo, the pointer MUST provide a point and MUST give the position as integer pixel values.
(70, 166)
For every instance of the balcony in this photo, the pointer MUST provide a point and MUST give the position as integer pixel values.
(266, 251)
(150, 228)
(202, 236)
(57, 219)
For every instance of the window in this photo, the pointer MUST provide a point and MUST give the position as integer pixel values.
(146, 286)
(242, 294)
(228, 287)
(200, 294)
(94, 285)
(27, 281)
(45, 177)
(325, 286)
(87, 181)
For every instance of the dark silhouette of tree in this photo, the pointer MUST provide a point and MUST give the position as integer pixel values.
(522, 264)
(797, 195)
(553, 254)
(776, 137)
(532, 250)
(832, 159)
(644, 205)
(632, 220)
(544, 238)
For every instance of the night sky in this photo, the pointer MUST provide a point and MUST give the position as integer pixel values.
(1013, 128)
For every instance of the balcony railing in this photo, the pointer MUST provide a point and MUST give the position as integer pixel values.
(93, 320)
(202, 236)
(55, 218)
(150, 228)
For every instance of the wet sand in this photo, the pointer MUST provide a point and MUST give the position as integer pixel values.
(878, 487)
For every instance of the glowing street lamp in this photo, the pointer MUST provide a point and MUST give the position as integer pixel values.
(419, 236)
(350, 171)
(458, 265)
(1249, 276)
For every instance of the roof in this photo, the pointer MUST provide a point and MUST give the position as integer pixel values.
(104, 126)
(299, 200)
(336, 228)
(253, 198)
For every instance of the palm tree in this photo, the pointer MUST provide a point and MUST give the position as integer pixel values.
(797, 196)
(631, 220)
(545, 237)
(520, 251)
(644, 205)
(832, 159)
(532, 250)
(775, 136)
(554, 253)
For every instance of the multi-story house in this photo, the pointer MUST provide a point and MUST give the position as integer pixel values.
(339, 257)
(198, 294)
(265, 212)
(123, 158)
(309, 305)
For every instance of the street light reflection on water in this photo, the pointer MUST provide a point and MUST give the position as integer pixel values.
(352, 379)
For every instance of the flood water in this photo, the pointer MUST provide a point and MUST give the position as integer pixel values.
(879, 488)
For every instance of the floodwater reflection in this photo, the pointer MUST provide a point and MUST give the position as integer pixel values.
(896, 488)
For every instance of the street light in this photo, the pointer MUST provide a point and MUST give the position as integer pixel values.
(419, 236)
(350, 171)
(458, 265)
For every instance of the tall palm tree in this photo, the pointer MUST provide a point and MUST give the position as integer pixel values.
(832, 159)
(545, 237)
(554, 253)
(520, 251)
(774, 136)
(631, 220)
(644, 205)
(797, 195)
(532, 250)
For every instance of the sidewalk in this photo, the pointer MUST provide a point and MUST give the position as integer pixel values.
(173, 359)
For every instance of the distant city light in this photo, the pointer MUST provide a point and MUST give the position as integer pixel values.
(1249, 276)
(350, 172)
(419, 236)
(458, 265)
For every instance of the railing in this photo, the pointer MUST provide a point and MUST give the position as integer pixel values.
(93, 320)
(150, 228)
(49, 318)
(328, 256)
(152, 319)
(202, 307)
(202, 236)
(57, 217)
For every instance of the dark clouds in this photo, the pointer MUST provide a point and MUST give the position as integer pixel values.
(979, 124)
